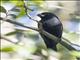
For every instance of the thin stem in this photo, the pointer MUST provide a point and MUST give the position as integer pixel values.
(26, 11)
(3, 37)
(70, 42)
(9, 40)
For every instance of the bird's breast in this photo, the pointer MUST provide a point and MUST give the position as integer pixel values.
(53, 29)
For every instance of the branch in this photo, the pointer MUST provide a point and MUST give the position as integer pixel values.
(17, 23)
(56, 39)
(70, 42)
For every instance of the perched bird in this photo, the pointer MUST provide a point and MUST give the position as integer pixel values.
(51, 24)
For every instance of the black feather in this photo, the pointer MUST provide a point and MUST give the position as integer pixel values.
(52, 25)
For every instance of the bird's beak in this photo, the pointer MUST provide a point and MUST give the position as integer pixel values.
(39, 15)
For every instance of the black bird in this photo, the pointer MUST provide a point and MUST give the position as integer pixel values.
(51, 24)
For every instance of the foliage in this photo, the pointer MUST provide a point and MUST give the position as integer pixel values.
(7, 49)
(2, 9)
(31, 37)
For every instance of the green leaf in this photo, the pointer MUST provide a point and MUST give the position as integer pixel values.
(75, 53)
(22, 12)
(11, 33)
(37, 2)
(4, 0)
(20, 4)
(7, 49)
(17, 3)
(2, 9)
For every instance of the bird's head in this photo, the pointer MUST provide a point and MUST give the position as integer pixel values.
(45, 15)
(50, 17)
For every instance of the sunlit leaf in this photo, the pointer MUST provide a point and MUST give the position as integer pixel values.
(19, 4)
(22, 12)
(2, 9)
(75, 53)
(37, 2)
(14, 2)
(11, 33)
(4, 0)
(7, 49)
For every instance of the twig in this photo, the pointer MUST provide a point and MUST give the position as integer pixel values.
(26, 11)
(9, 40)
(70, 42)
(3, 37)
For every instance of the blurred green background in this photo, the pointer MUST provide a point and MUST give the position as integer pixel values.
(31, 46)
